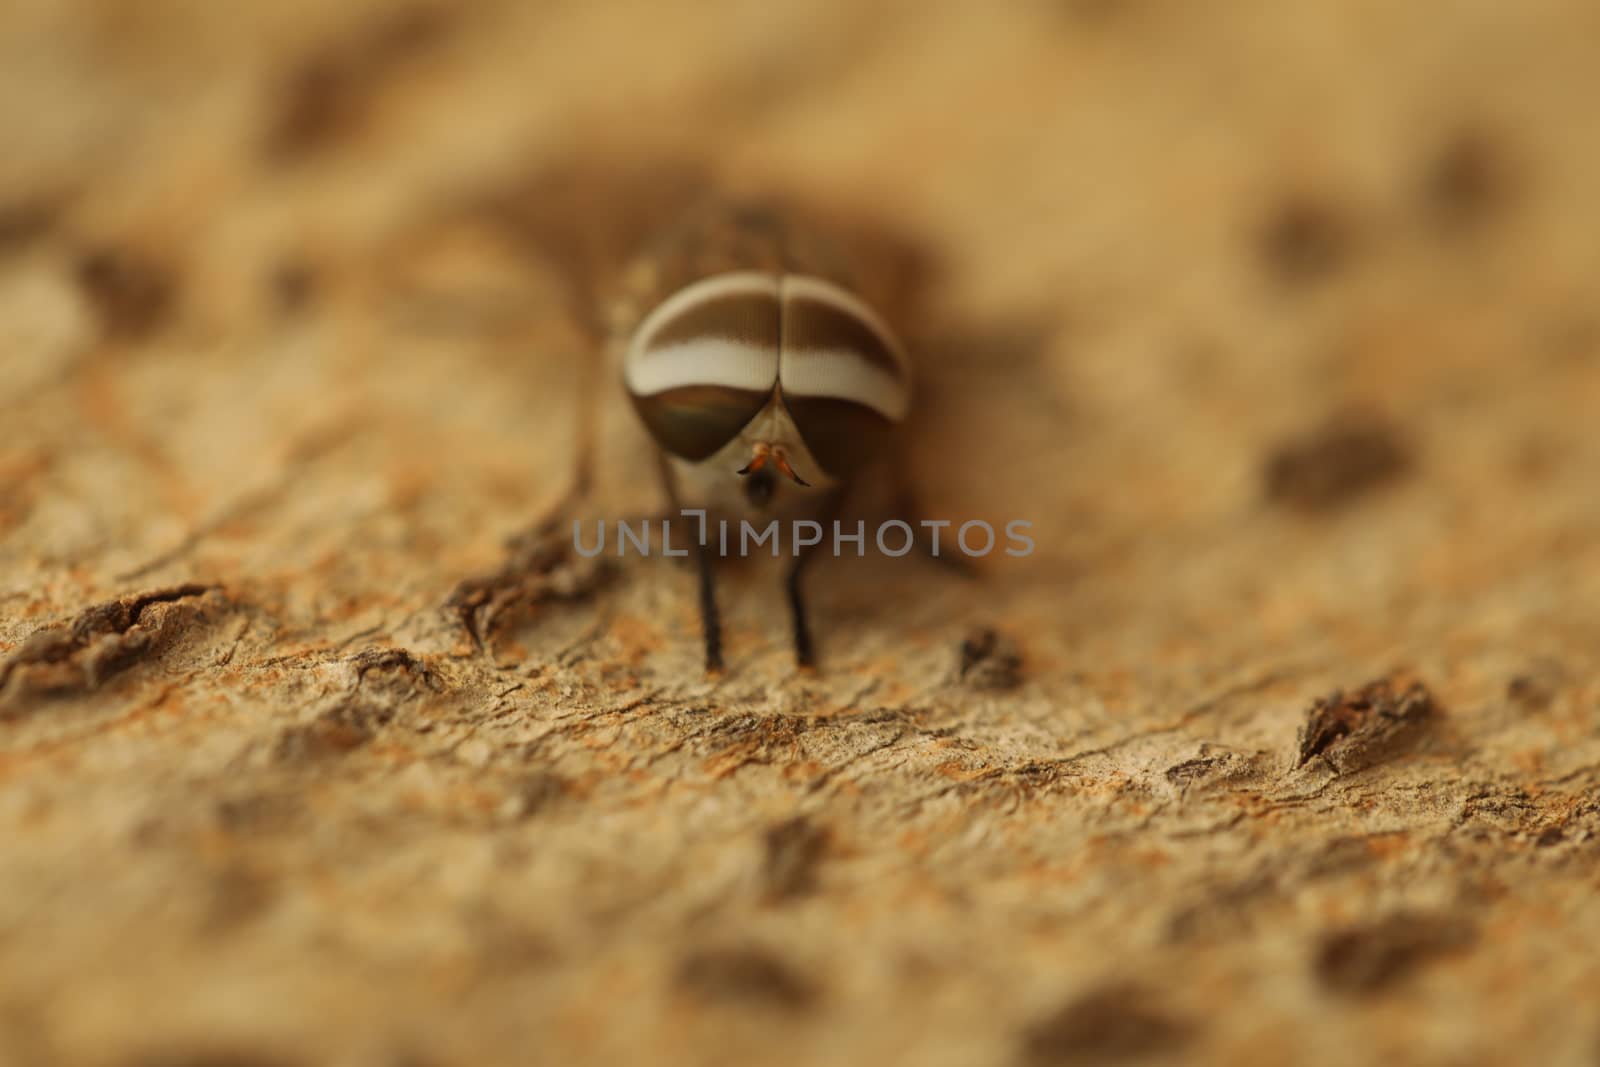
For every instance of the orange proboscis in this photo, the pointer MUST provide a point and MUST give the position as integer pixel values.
(763, 452)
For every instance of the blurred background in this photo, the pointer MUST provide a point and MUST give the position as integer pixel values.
(1276, 320)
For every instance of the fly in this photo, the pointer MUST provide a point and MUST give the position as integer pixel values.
(766, 378)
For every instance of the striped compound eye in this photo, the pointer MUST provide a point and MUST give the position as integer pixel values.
(707, 361)
(844, 378)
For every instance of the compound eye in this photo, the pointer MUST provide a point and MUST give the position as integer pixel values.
(842, 436)
(704, 363)
(844, 378)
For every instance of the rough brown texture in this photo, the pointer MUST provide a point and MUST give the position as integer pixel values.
(1283, 746)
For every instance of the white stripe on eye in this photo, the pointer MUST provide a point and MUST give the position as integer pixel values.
(707, 361)
(715, 361)
(844, 375)
(805, 286)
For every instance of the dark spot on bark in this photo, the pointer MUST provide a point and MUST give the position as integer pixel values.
(100, 642)
(794, 849)
(293, 285)
(320, 98)
(238, 895)
(1109, 1024)
(1466, 182)
(1355, 730)
(1327, 468)
(1528, 692)
(258, 813)
(329, 94)
(1535, 689)
(538, 791)
(341, 729)
(989, 661)
(397, 670)
(1366, 959)
(132, 294)
(1305, 240)
(209, 1056)
(23, 222)
(747, 976)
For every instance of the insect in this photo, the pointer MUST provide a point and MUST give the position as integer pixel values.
(767, 379)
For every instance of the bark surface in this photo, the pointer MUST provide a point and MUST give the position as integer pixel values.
(1277, 322)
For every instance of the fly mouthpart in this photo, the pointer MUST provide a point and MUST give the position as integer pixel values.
(764, 452)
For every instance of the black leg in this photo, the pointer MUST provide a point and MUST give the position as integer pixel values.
(710, 621)
(804, 653)
(705, 563)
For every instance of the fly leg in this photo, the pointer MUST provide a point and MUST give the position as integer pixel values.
(804, 649)
(710, 620)
(804, 652)
(705, 566)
